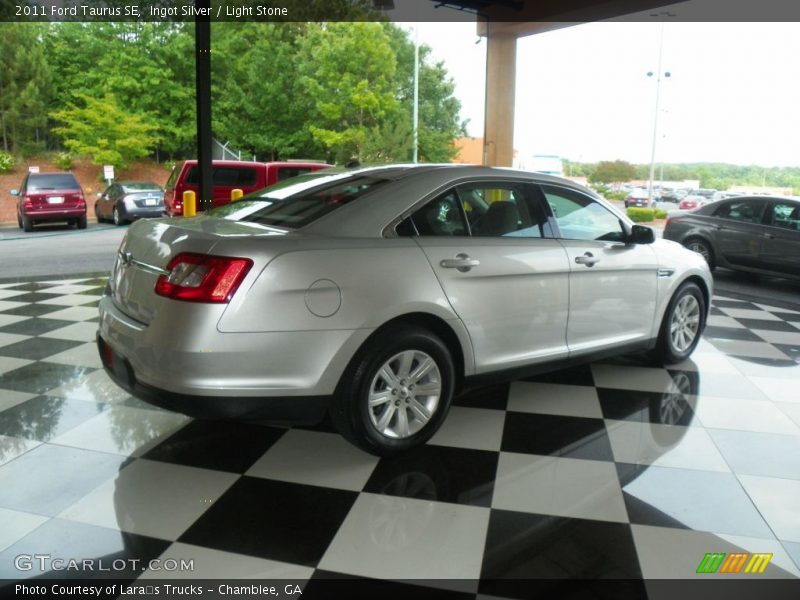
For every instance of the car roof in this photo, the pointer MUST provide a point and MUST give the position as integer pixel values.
(414, 183)
(250, 163)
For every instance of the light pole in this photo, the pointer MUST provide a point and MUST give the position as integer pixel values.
(416, 93)
(658, 75)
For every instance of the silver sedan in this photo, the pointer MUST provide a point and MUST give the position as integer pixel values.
(376, 294)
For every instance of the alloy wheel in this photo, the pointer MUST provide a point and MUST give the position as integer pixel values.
(685, 323)
(404, 394)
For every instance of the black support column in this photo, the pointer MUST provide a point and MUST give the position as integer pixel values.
(202, 28)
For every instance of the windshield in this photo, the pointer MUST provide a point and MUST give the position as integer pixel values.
(305, 202)
(56, 181)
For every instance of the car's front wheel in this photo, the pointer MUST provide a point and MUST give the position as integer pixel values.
(396, 393)
(683, 324)
(703, 248)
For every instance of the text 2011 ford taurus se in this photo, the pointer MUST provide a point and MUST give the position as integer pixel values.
(375, 294)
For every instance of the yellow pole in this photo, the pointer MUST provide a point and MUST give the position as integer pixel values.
(189, 203)
(236, 194)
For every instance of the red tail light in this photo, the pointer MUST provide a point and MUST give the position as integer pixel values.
(202, 278)
(27, 202)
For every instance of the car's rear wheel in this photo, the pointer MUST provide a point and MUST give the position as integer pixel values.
(19, 221)
(703, 248)
(81, 222)
(396, 392)
(683, 324)
(27, 224)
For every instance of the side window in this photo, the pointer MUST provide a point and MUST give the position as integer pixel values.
(441, 216)
(580, 217)
(481, 210)
(234, 176)
(502, 210)
(786, 215)
(287, 172)
(747, 211)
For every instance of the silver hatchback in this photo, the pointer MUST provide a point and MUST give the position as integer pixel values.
(376, 294)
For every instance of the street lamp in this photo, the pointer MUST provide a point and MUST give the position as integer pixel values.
(658, 74)
(416, 93)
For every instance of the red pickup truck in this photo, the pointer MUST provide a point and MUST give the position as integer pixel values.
(228, 175)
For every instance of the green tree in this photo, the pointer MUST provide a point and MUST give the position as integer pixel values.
(106, 133)
(149, 67)
(439, 110)
(612, 172)
(259, 105)
(24, 88)
(347, 71)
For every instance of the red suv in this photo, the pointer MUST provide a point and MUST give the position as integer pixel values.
(46, 197)
(229, 175)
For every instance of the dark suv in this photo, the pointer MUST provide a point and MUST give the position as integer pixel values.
(46, 197)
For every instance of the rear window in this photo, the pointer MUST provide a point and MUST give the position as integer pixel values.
(309, 204)
(287, 172)
(226, 176)
(140, 187)
(55, 181)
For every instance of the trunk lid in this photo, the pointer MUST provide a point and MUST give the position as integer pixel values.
(150, 244)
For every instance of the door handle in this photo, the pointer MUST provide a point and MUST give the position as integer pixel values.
(587, 259)
(462, 262)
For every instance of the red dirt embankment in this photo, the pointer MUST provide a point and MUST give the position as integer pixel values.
(89, 176)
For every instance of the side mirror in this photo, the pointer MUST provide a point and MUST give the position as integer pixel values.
(641, 235)
(14, 192)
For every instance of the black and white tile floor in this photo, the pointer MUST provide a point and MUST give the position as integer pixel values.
(613, 470)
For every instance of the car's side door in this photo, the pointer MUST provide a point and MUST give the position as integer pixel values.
(612, 284)
(780, 238)
(736, 228)
(490, 245)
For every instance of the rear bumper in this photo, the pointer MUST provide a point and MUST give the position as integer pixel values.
(295, 410)
(51, 214)
(182, 362)
(149, 212)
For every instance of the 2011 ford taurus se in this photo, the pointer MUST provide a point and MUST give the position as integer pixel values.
(375, 294)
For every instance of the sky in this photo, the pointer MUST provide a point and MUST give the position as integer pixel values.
(583, 93)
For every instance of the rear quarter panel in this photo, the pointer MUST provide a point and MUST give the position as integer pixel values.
(357, 285)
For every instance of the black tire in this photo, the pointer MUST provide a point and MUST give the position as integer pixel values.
(116, 217)
(703, 248)
(27, 224)
(380, 429)
(19, 221)
(81, 222)
(683, 324)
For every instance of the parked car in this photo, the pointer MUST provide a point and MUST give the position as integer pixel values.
(692, 201)
(228, 175)
(637, 197)
(376, 294)
(758, 234)
(127, 201)
(50, 197)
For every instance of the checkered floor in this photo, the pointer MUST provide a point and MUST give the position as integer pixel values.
(613, 470)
